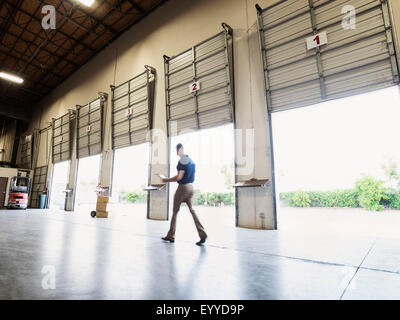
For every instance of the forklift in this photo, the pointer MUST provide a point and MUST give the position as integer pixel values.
(19, 192)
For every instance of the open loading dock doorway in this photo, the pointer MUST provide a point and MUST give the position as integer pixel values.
(132, 117)
(59, 185)
(322, 152)
(200, 115)
(212, 150)
(130, 177)
(317, 51)
(61, 158)
(86, 183)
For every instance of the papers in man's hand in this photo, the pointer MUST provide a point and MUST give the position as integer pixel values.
(160, 175)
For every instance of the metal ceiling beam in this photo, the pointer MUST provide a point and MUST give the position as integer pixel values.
(127, 27)
(81, 38)
(110, 12)
(10, 19)
(54, 59)
(35, 46)
(31, 43)
(41, 38)
(18, 37)
(69, 18)
(79, 41)
(116, 8)
(2, 3)
(136, 6)
(43, 42)
(24, 61)
(26, 90)
(15, 112)
(58, 29)
(77, 7)
(139, 19)
(20, 100)
(45, 87)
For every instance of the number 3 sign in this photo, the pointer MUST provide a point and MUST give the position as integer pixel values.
(193, 87)
(317, 40)
(129, 111)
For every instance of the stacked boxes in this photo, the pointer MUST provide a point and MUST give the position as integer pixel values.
(101, 207)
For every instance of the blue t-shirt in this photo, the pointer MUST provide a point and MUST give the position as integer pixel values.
(186, 164)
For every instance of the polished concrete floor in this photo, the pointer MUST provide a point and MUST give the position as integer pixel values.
(316, 254)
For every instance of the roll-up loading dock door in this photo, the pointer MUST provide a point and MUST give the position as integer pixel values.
(62, 138)
(132, 121)
(199, 86)
(90, 128)
(61, 153)
(89, 147)
(318, 50)
(357, 58)
(132, 110)
(26, 152)
(39, 183)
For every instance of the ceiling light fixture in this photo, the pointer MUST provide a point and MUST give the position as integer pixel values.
(87, 3)
(11, 77)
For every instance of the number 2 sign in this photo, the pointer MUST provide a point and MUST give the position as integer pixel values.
(195, 86)
(317, 40)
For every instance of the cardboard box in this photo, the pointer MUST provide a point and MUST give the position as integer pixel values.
(102, 199)
(101, 214)
(101, 206)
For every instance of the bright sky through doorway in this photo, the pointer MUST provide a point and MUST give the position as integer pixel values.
(131, 168)
(211, 150)
(330, 145)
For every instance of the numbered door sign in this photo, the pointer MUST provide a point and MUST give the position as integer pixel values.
(194, 87)
(317, 40)
(88, 129)
(129, 111)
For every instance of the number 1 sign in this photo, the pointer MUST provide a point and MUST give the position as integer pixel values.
(193, 87)
(317, 40)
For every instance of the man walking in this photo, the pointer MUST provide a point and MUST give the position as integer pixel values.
(185, 178)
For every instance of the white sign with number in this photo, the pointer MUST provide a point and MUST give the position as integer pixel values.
(317, 40)
(129, 111)
(194, 87)
(88, 129)
(61, 139)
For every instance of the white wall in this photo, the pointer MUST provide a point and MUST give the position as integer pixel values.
(174, 27)
(171, 29)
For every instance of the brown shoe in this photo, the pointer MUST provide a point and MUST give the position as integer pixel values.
(167, 239)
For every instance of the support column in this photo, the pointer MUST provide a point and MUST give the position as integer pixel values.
(73, 169)
(158, 193)
(158, 198)
(255, 206)
(107, 156)
(106, 169)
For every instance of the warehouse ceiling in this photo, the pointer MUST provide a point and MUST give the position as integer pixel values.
(45, 58)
